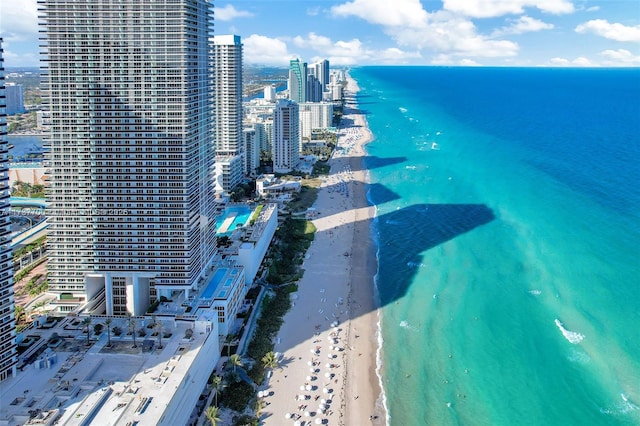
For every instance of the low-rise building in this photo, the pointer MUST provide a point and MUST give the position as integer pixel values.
(268, 185)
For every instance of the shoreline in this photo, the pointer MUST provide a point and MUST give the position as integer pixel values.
(330, 338)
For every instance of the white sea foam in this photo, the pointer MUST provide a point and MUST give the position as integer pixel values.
(579, 357)
(571, 336)
(416, 265)
(403, 110)
(627, 405)
(535, 292)
(623, 407)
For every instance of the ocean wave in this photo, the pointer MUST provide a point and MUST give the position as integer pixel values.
(623, 407)
(571, 336)
(416, 265)
(403, 110)
(405, 324)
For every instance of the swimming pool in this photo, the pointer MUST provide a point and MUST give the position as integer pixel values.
(213, 283)
(231, 217)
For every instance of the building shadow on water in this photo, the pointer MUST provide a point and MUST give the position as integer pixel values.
(408, 232)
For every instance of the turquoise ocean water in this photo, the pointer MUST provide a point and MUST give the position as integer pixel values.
(508, 232)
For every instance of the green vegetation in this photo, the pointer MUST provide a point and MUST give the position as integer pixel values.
(255, 214)
(36, 285)
(18, 253)
(26, 271)
(294, 238)
(237, 395)
(25, 189)
(22, 122)
(305, 198)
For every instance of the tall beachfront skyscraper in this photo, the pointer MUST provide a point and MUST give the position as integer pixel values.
(227, 76)
(297, 80)
(286, 136)
(131, 160)
(7, 318)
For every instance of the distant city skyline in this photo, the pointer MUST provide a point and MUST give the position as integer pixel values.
(402, 32)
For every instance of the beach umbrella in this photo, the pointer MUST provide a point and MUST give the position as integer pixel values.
(323, 401)
(308, 387)
(302, 387)
(309, 363)
(328, 375)
(308, 378)
(297, 423)
(287, 416)
(307, 413)
(330, 347)
(325, 390)
(328, 365)
(318, 421)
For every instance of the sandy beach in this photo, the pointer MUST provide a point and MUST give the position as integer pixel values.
(328, 341)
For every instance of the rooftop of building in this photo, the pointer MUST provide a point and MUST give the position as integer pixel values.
(77, 383)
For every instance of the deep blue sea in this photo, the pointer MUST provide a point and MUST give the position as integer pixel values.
(508, 232)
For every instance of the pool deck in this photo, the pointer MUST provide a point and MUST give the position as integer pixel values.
(228, 221)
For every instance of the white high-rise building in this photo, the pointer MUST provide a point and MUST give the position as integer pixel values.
(270, 93)
(320, 70)
(315, 116)
(286, 136)
(227, 65)
(8, 357)
(131, 160)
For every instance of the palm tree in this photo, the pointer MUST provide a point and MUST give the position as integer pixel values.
(217, 385)
(87, 323)
(132, 327)
(227, 341)
(269, 360)
(108, 322)
(236, 361)
(158, 328)
(212, 414)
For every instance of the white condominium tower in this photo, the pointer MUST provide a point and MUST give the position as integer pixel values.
(227, 76)
(7, 320)
(131, 160)
(286, 136)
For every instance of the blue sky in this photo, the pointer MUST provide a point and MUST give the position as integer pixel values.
(411, 32)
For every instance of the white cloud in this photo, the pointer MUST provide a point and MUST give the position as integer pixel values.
(350, 52)
(444, 59)
(493, 8)
(259, 49)
(453, 35)
(409, 25)
(620, 57)
(580, 61)
(615, 31)
(593, 9)
(384, 12)
(313, 41)
(15, 60)
(229, 12)
(523, 24)
(20, 21)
